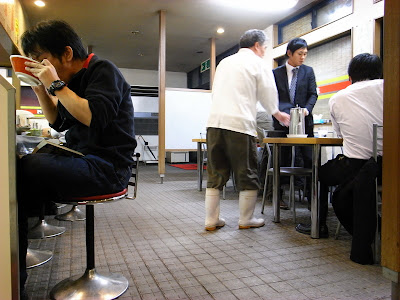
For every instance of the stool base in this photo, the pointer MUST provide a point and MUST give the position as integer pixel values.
(44, 230)
(36, 258)
(90, 286)
(75, 214)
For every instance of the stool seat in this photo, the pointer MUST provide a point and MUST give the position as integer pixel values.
(96, 199)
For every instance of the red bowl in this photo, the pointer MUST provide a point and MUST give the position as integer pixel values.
(18, 64)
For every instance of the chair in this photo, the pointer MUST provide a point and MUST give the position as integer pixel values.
(74, 214)
(44, 230)
(92, 285)
(291, 171)
(35, 258)
(377, 151)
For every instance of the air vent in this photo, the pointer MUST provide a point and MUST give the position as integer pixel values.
(144, 91)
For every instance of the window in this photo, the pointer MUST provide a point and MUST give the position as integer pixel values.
(323, 13)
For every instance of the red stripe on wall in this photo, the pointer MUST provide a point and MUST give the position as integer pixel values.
(334, 87)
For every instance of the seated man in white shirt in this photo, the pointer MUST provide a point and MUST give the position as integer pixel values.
(353, 110)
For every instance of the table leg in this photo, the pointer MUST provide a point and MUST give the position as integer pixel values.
(276, 184)
(315, 193)
(200, 162)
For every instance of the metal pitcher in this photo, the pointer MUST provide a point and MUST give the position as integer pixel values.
(297, 126)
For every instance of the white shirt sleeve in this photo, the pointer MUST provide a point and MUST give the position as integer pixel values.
(267, 93)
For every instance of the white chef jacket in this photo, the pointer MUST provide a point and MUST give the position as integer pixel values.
(354, 110)
(240, 81)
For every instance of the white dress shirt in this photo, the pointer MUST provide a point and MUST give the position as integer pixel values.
(354, 110)
(240, 81)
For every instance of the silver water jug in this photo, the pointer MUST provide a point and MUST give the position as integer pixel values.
(297, 126)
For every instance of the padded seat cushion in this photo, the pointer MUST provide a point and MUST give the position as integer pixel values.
(97, 197)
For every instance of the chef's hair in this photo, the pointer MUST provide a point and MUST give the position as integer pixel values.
(365, 66)
(52, 36)
(250, 37)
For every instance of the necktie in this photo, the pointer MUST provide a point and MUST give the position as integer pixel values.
(292, 88)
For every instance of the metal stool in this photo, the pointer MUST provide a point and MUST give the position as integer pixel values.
(44, 230)
(35, 258)
(92, 285)
(75, 214)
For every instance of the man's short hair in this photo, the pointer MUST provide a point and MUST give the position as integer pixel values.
(52, 36)
(365, 66)
(295, 44)
(250, 37)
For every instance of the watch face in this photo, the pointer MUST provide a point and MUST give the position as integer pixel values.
(58, 84)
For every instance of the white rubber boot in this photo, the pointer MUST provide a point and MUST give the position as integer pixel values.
(213, 221)
(247, 203)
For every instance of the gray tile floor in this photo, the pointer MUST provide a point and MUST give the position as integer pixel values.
(159, 243)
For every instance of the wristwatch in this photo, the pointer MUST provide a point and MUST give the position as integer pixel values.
(56, 86)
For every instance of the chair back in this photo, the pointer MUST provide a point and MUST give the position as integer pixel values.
(133, 181)
(377, 140)
(377, 150)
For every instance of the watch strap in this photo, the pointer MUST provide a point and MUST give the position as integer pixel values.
(56, 85)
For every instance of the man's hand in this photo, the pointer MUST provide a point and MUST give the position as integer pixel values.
(283, 118)
(45, 71)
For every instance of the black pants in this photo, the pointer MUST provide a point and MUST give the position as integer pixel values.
(353, 200)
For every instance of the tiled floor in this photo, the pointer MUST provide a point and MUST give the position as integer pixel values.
(159, 243)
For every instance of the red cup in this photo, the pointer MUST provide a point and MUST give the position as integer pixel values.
(18, 64)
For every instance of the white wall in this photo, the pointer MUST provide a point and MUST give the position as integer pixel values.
(150, 78)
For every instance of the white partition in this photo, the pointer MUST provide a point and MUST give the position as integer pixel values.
(186, 114)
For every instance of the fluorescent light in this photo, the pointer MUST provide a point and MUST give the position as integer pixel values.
(40, 3)
(265, 5)
(220, 30)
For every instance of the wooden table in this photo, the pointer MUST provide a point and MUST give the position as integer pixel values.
(200, 161)
(316, 143)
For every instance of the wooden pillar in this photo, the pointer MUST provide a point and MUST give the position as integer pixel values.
(161, 94)
(212, 61)
(390, 259)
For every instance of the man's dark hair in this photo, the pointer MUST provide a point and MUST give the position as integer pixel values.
(295, 44)
(250, 37)
(365, 66)
(52, 36)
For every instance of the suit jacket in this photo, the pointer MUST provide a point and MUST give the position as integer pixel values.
(306, 91)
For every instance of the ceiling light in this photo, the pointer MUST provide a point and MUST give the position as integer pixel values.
(40, 3)
(220, 30)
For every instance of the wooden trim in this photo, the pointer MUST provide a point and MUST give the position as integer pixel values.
(180, 150)
(377, 37)
(391, 159)
(161, 92)
(213, 56)
(187, 90)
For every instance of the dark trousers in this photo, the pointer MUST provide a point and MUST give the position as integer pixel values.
(43, 177)
(354, 200)
(231, 151)
(335, 172)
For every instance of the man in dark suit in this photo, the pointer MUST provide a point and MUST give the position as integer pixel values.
(296, 86)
